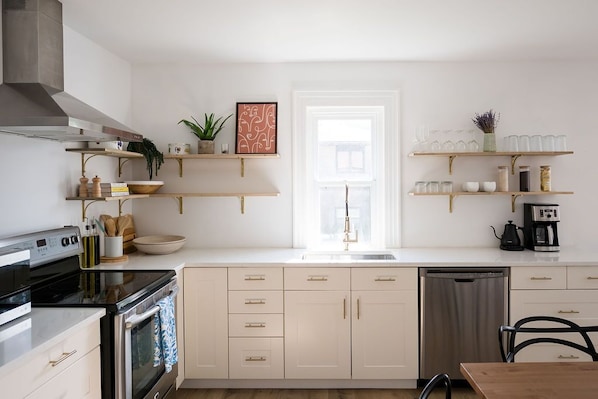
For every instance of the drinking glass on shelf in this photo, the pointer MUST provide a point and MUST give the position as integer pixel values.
(422, 134)
(420, 186)
(535, 143)
(433, 187)
(473, 145)
(460, 146)
(524, 143)
(446, 186)
(448, 146)
(435, 146)
(512, 143)
(548, 142)
(560, 143)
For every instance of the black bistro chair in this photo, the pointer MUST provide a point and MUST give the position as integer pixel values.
(435, 382)
(507, 335)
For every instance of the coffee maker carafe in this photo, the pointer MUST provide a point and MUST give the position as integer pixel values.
(540, 227)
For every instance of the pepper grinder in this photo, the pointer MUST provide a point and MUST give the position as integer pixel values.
(96, 188)
(83, 186)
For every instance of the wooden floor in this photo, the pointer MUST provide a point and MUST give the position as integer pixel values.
(458, 393)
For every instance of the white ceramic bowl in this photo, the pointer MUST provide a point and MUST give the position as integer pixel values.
(471, 186)
(159, 244)
(144, 186)
(489, 186)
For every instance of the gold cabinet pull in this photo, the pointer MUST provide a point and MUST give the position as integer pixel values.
(317, 278)
(540, 278)
(255, 359)
(568, 357)
(255, 301)
(260, 277)
(62, 358)
(568, 311)
(344, 308)
(255, 325)
(357, 308)
(592, 278)
(385, 279)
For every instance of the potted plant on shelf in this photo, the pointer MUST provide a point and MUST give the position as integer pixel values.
(206, 133)
(487, 122)
(154, 159)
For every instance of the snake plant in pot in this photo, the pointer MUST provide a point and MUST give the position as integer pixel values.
(206, 133)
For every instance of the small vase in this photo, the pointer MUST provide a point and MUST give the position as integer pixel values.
(205, 147)
(489, 142)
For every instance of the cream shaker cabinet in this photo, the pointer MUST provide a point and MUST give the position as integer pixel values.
(70, 369)
(384, 323)
(317, 323)
(255, 323)
(206, 323)
(567, 292)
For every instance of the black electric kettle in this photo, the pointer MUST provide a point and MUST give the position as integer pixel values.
(510, 241)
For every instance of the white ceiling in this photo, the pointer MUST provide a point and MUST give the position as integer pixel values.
(189, 31)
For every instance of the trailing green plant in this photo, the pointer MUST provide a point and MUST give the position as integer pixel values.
(487, 121)
(210, 128)
(153, 157)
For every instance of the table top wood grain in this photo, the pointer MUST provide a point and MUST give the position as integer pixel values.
(533, 380)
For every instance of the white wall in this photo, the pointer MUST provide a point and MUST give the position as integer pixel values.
(542, 98)
(532, 98)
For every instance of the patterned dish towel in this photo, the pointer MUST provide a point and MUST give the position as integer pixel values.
(165, 335)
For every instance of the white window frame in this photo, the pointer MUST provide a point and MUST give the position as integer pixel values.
(388, 207)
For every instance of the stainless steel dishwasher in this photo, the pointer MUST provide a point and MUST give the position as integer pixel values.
(460, 312)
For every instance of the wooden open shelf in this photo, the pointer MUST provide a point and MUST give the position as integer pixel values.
(242, 157)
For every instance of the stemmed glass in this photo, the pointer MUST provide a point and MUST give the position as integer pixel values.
(422, 134)
(473, 145)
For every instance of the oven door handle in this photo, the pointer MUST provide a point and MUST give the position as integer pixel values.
(139, 318)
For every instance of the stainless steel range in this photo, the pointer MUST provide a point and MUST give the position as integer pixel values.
(130, 369)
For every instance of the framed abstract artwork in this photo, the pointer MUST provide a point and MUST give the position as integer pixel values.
(256, 128)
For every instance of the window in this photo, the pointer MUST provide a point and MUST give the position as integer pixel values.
(346, 139)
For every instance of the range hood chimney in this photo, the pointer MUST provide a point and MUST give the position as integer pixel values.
(32, 98)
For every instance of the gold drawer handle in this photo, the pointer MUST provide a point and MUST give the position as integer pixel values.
(568, 357)
(317, 278)
(62, 358)
(540, 278)
(592, 278)
(255, 325)
(255, 359)
(385, 279)
(568, 311)
(255, 278)
(255, 302)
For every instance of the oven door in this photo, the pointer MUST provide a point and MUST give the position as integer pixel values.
(137, 377)
(15, 293)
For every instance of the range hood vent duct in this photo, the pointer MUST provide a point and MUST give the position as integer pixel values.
(32, 98)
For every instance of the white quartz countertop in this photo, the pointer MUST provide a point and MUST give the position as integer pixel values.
(24, 338)
(407, 257)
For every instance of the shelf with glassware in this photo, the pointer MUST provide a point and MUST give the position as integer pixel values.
(242, 157)
(513, 155)
(514, 195)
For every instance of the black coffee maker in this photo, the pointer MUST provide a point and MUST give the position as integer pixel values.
(540, 227)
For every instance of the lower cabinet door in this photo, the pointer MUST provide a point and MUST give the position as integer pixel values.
(317, 334)
(257, 358)
(384, 338)
(81, 380)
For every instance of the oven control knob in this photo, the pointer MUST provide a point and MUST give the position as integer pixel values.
(65, 241)
(74, 239)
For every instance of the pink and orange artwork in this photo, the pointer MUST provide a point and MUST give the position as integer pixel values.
(256, 128)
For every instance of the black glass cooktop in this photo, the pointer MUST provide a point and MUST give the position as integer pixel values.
(111, 289)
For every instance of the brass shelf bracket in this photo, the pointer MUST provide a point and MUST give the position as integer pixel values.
(242, 167)
(120, 206)
(84, 162)
(84, 207)
(514, 159)
(242, 198)
(513, 199)
(451, 158)
(179, 201)
(180, 161)
(121, 162)
(451, 198)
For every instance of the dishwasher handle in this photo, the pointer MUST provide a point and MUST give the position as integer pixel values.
(464, 275)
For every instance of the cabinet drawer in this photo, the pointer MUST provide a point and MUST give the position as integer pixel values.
(255, 302)
(256, 358)
(582, 277)
(48, 364)
(551, 353)
(580, 306)
(255, 325)
(539, 278)
(384, 279)
(317, 279)
(255, 278)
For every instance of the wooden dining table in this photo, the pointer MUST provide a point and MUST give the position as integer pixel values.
(577, 380)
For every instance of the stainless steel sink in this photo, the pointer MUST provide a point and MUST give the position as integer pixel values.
(347, 256)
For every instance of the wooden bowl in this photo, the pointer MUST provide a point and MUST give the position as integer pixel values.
(144, 186)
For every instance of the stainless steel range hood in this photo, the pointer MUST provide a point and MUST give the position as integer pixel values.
(32, 98)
